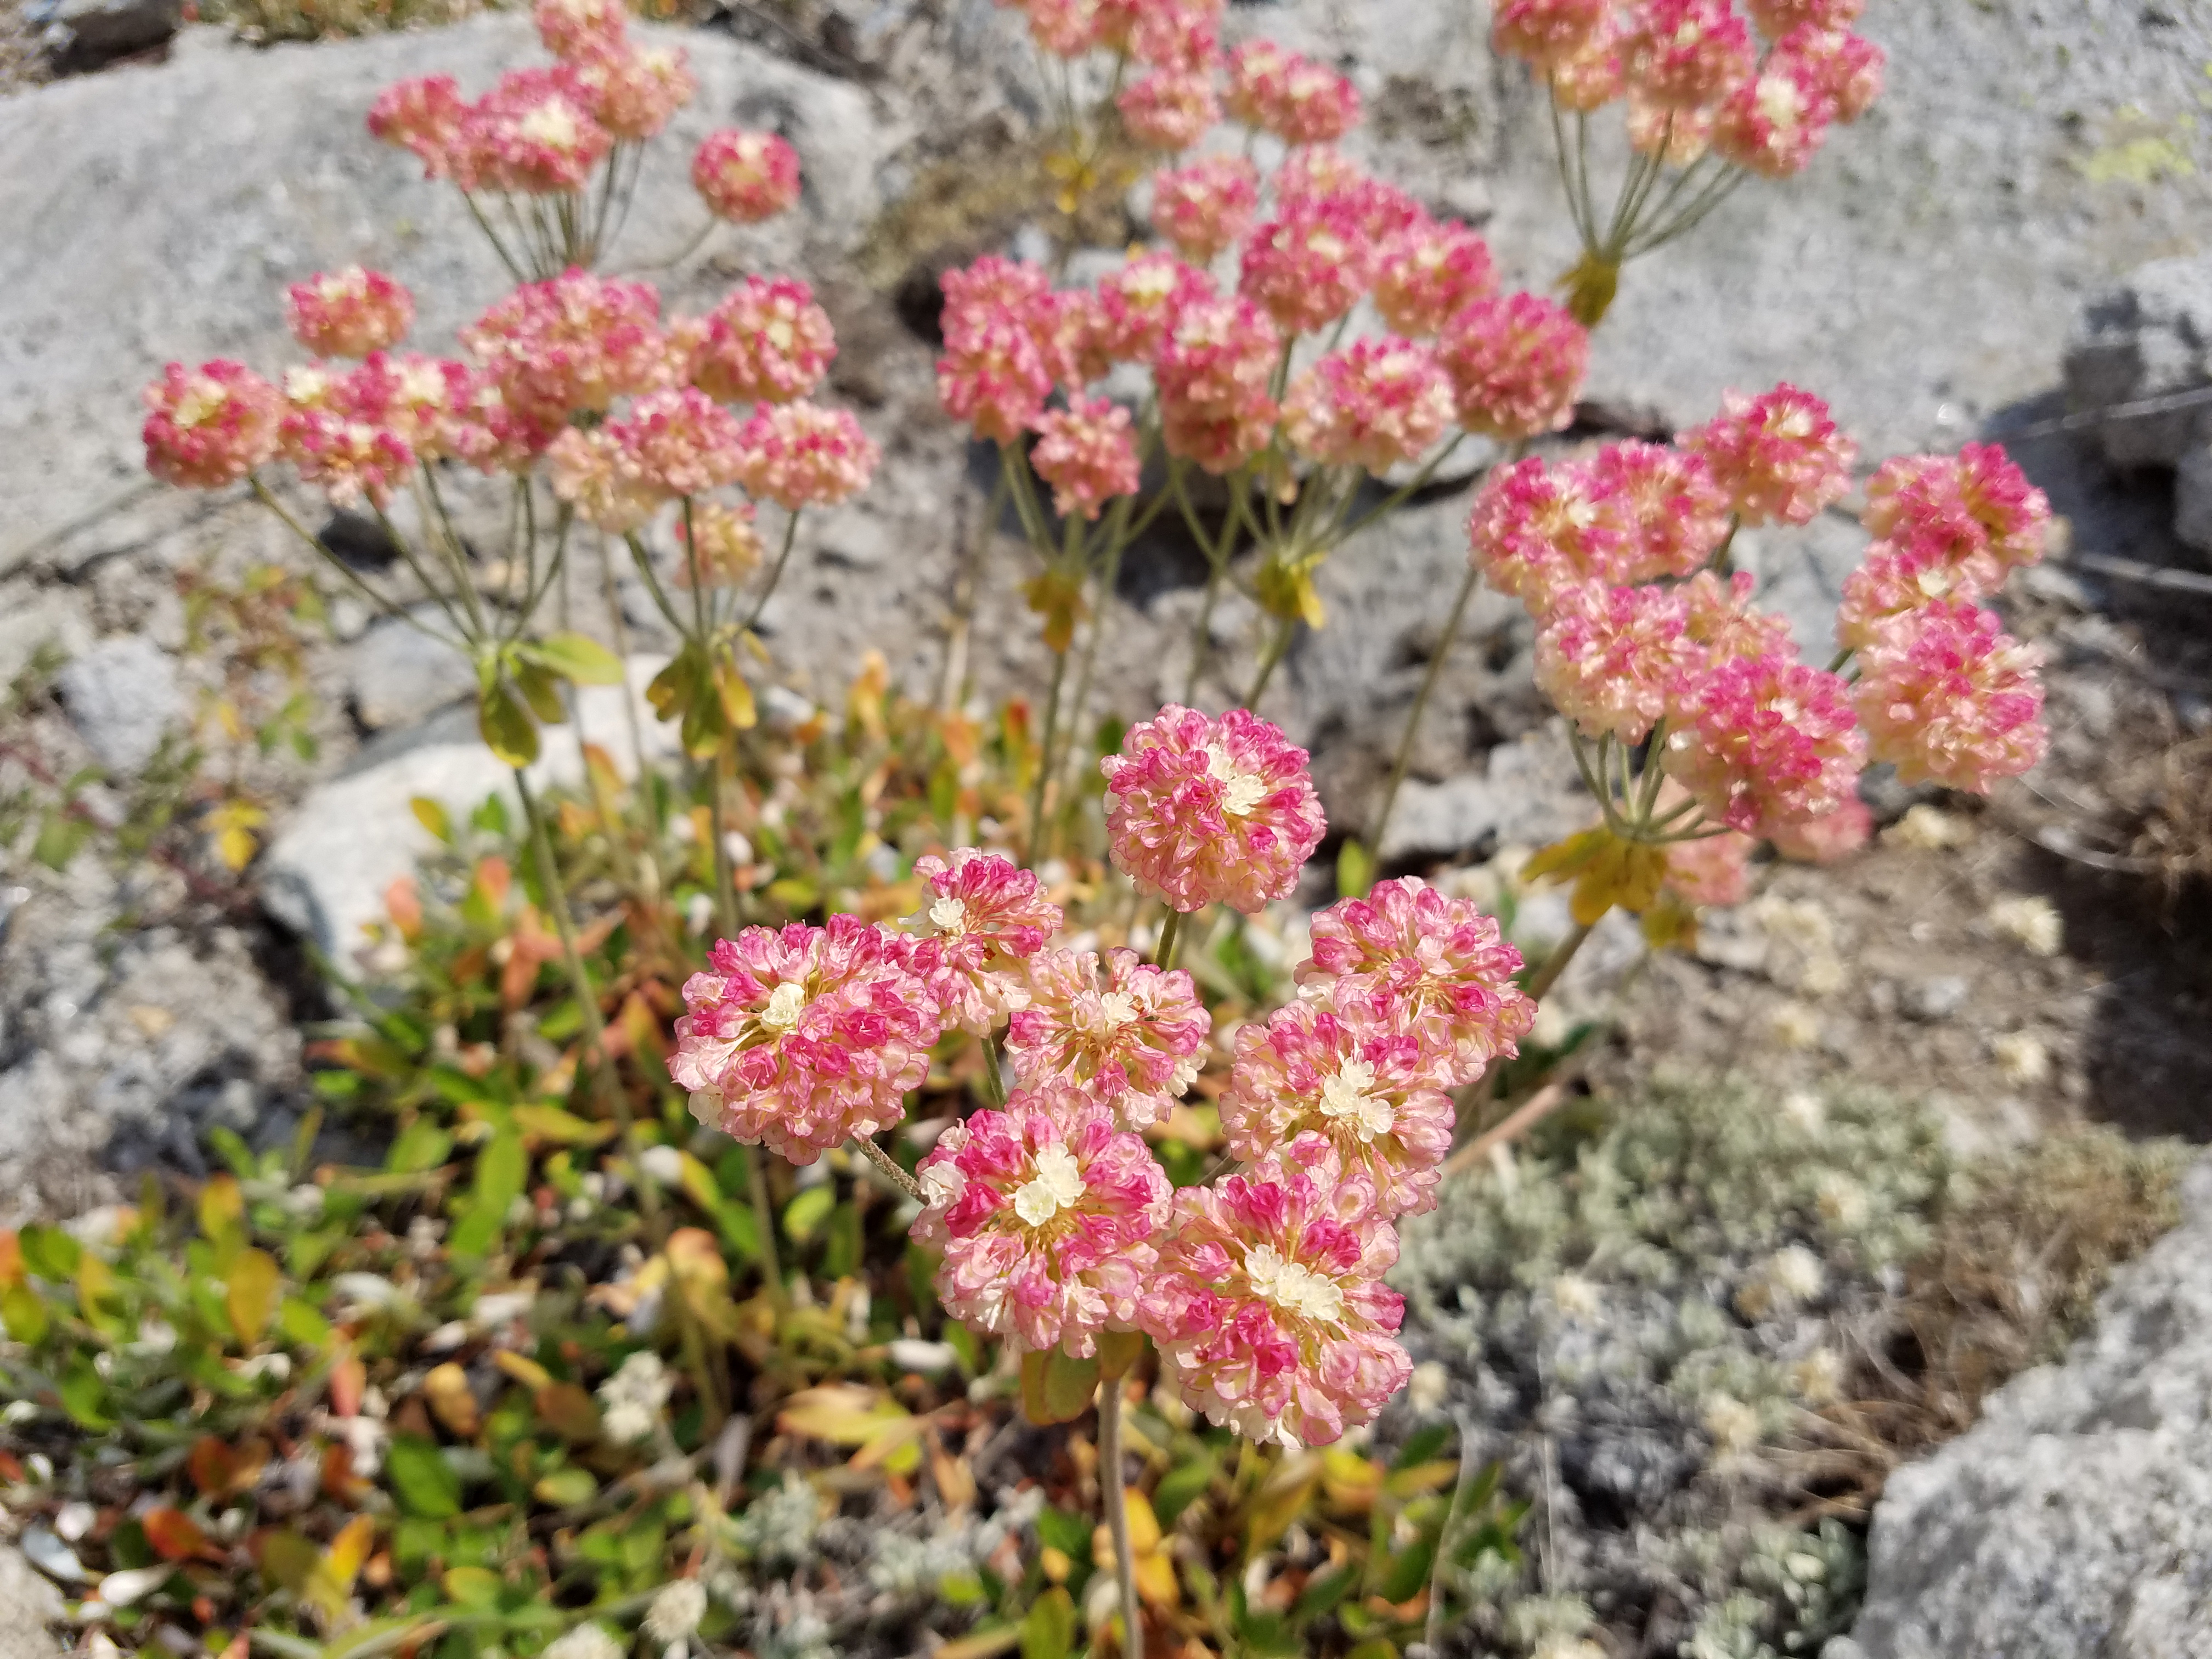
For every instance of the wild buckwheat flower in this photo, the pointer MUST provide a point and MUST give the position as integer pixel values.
(1945, 694)
(209, 426)
(1206, 206)
(1778, 18)
(1181, 34)
(1827, 838)
(993, 289)
(1349, 1076)
(1847, 67)
(685, 443)
(1309, 267)
(1724, 622)
(1431, 273)
(994, 377)
(1686, 54)
(1979, 501)
(573, 341)
(1712, 870)
(723, 540)
(1140, 304)
(767, 341)
(1065, 29)
(1677, 515)
(348, 313)
(1766, 741)
(1318, 173)
(598, 475)
(1046, 1213)
(571, 28)
(350, 459)
(1212, 373)
(1535, 529)
(532, 134)
(802, 1039)
(1611, 659)
(636, 91)
(1071, 330)
(1517, 363)
(496, 436)
(1136, 1042)
(1376, 403)
(1169, 109)
(1199, 810)
(1088, 453)
(1679, 136)
(797, 455)
(745, 177)
(424, 116)
(1594, 76)
(1894, 579)
(987, 915)
(1437, 966)
(1772, 123)
(1779, 455)
(1547, 32)
(1268, 1305)
(425, 400)
(1291, 95)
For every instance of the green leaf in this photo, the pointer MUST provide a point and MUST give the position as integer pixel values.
(841, 1259)
(565, 1488)
(84, 1397)
(1422, 1446)
(541, 689)
(1355, 870)
(1408, 1571)
(1048, 1632)
(287, 1560)
(432, 816)
(1182, 1487)
(1323, 1591)
(421, 1145)
(1056, 1386)
(502, 1168)
(422, 1479)
(804, 1216)
(573, 657)
(473, 1586)
(23, 1316)
(506, 726)
(49, 1252)
(301, 1324)
(60, 839)
(1068, 1534)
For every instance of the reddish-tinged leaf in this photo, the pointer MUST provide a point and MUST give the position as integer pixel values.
(567, 1409)
(219, 1471)
(348, 1381)
(175, 1535)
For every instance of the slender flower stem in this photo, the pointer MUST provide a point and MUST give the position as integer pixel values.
(1412, 731)
(1556, 963)
(1117, 1515)
(1277, 649)
(893, 1170)
(994, 1078)
(1036, 836)
(763, 1203)
(1171, 936)
(774, 575)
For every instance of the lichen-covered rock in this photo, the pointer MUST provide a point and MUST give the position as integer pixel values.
(2076, 1517)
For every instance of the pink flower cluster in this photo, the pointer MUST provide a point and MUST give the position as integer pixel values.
(348, 313)
(1696, 77)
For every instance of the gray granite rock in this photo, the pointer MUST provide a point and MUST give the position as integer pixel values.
(2076, 1518)
(2192, 497)
(29, 1606)
(2147, 336)
(122, 698)
(399, 675)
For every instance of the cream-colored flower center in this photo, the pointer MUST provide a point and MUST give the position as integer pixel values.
(206, 398)
(1781, 103)
(1241, 791)
(780, 333)
(785, 1004)
(949, 915)
(420, 384)
(1115, 1009)
(1292, 1287)
(1345, 1099)
(1056, 1186)
(552, 124)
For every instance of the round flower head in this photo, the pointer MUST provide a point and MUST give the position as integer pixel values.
(350, 459)
(497, 436)
(421, 116)
(1845, 68)
(1199, 810)
(1141, 302)
(1676, 515)
(1547, 32)
(1436, 966)
(571, 28)
(1206, 206)
(987, 915)
(1431, 273)
(801, 1038)
(1088, 453)
(1772, 123)
(1136, 1042)
(685, 443)
(1046, 1213)
(1071, 331)
(745, 177)
(1976, 502)
(1309, 267)
(1535, 529)
(1765, 741)
(1593, 75)
(1212, 375)
(209, 426)
(1169, 109)
(425, 400)
(1686, 54)
(574, 342)
(1611, 658)
(1375, 404)
(635, 91)
(533, 134)
(1181, 34)
(1349, 1076)
(1896, 578)
(1778, 18)
(1712, 870)
(1517, 363)
(603, 480)
(992, 290)
(1779, 455)
(1291, 95)
(1317, 174)
(1724, 622)
(1827, 839)
(1945, 694)
(798, 455)
(1065, 29)
(721, 540)
(1268, 1305)
(348, 313)
(767, 341)
(994, 376)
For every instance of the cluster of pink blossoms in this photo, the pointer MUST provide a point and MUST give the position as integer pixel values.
(1056, 1223)
(1695, 76)
(1637, 633)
